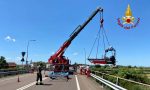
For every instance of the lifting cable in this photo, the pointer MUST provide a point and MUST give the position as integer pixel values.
(94, 43)
(96, 39)
(104, 37)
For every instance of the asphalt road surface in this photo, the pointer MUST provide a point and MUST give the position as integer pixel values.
(27, 82)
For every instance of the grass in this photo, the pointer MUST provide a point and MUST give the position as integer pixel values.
(139, 74)
(148, 75)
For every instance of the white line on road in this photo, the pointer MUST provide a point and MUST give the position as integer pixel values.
(29, 85)
(78, 86)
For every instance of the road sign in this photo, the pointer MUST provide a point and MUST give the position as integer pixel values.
(23, 54)
(22, 60)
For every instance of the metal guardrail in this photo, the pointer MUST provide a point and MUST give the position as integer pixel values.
(124, 79)
(7, 73)
(108, 83)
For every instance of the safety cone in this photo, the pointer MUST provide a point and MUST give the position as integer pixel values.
(18, 79)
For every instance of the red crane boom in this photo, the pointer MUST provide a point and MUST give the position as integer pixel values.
(58, 57)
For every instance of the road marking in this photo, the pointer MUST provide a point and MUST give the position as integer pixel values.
(78, 86)
(29, 85)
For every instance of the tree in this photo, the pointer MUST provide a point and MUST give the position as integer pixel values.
(129, 66)
(43, 64)
(3, 63)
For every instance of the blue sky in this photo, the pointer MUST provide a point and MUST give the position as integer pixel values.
(50, 22)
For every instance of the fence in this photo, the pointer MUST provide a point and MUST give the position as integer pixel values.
(126, 83)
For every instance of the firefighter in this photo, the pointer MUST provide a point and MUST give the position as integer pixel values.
(81, 70)
(88, 71)
(39, 75)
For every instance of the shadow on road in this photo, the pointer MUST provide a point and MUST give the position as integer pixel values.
(46, 84)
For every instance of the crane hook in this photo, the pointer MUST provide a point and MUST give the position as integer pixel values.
(101, 22)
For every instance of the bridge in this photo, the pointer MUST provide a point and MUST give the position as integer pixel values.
(27, 82)
(76, 82)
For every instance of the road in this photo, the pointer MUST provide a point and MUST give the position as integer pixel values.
(27, 82)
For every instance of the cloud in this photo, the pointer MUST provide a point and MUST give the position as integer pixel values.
(19, 58)
(52, 52)
(8, 58)
(8, 38)
(75, 54)
(14, 40)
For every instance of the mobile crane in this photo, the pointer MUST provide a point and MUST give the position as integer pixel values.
(58, 60)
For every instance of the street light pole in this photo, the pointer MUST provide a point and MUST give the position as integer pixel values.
(27, 50)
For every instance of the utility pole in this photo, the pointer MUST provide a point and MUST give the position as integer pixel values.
(27, 50)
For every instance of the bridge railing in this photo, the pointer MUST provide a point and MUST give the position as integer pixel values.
(107, 83)
(4, 73)
(126, 83)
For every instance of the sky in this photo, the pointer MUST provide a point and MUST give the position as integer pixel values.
(50, 23)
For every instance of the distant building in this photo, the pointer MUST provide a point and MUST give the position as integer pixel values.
(47, 65)
(34, 64)
(12, 64)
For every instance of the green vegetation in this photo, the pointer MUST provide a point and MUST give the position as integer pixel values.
(43, 64)
(138, 74)
(3, 63)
